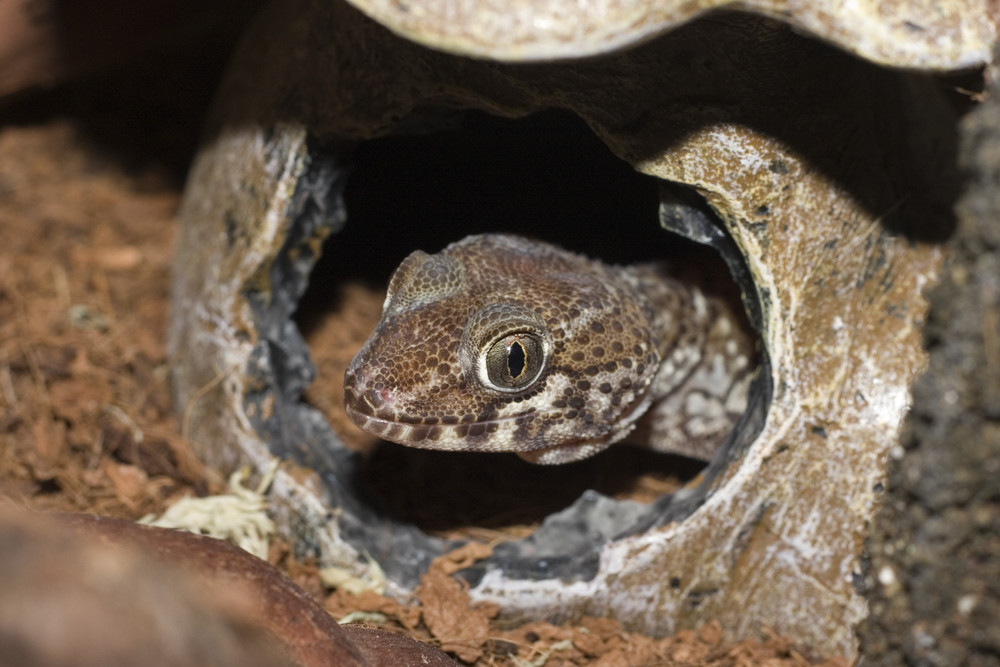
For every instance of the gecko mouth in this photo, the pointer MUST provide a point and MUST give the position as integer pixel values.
(467, 436)
(369, 412)
(371, 409)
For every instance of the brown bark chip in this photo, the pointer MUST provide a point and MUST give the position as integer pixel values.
(461, 627)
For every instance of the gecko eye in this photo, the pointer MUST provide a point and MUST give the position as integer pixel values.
(514, 361)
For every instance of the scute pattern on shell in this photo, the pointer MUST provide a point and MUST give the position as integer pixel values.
(614, 340)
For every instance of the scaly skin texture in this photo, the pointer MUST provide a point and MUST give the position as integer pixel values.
(504, 344)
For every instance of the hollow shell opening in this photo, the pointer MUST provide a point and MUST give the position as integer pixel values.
(545, 176)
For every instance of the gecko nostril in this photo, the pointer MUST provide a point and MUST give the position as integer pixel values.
(378, 397)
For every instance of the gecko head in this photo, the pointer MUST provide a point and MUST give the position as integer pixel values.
(503, 344)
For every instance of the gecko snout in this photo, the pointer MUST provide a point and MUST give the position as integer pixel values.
(364, 397)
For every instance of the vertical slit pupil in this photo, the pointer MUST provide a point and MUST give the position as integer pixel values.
(515, 360)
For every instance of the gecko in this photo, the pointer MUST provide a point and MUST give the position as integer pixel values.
(500, 343)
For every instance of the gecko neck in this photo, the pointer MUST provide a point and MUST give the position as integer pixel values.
(707, 352)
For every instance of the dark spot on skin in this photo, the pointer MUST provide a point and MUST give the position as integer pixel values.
(419, 432)
(588, 418)
(571, 414)
(467, 418)
(559, 404)
(640, 369)
(626, 363)
(577, 356)
(449, 419)
(617, 347)
(462, 430)
(597, 327)
(626, 383)
(591, 370)
(576, 402)
(477, 430)
(611, 366)
(605, 387)
(583, 385)
(597, 351)
(616, 399)
(444, 369)
(410, 419)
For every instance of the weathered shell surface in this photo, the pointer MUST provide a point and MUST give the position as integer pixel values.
(905, 33)
(833, 176)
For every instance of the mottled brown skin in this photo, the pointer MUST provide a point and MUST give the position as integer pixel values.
(504, 344)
